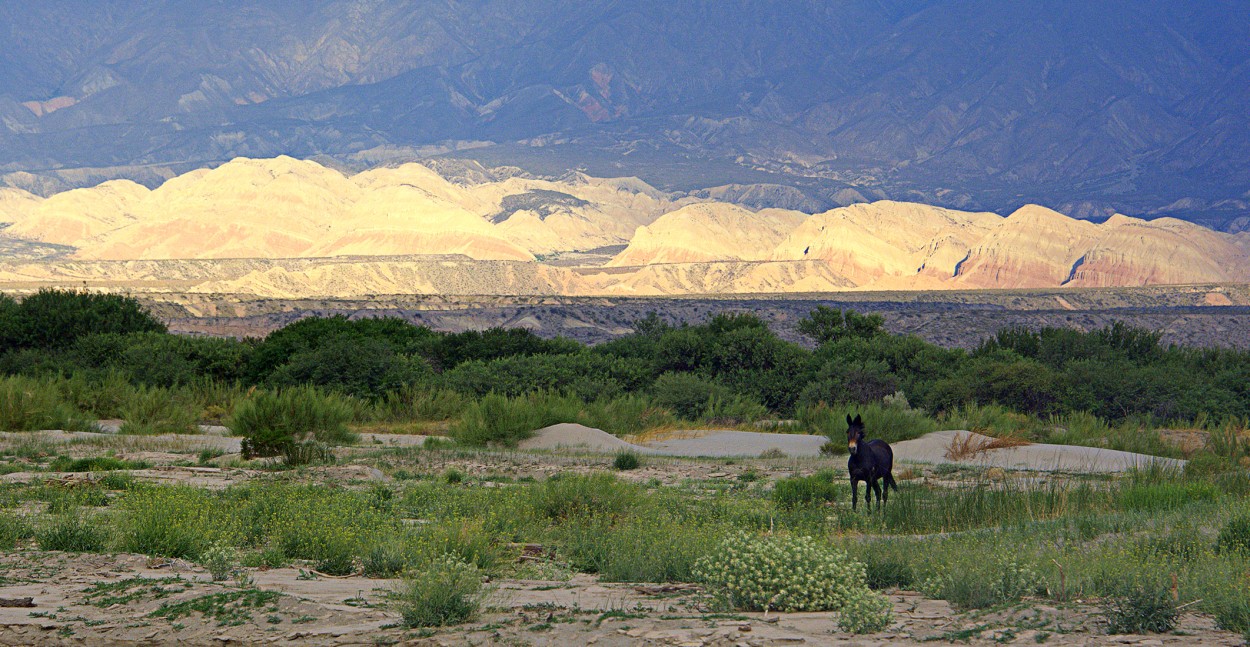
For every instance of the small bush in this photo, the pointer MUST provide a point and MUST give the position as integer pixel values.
(865, 611)
(498, 419)
(577, 496)
(1235, 536)
(805, 490)
(12, 530)
(1001, 581)
(286, 422)
(72, 533)
(780, 573)
(30, 405)
(447, 591)
(221, 560)
(1142, 609)
(159, 411)
(626, 460)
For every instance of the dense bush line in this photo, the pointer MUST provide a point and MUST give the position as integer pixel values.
(103, 351)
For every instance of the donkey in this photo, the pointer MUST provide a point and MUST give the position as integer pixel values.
(870, 460)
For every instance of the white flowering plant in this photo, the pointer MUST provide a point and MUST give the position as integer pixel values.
(792, 573)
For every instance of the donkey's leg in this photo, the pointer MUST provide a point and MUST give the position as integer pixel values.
(854, 493)
(876, 488)
(885, 487)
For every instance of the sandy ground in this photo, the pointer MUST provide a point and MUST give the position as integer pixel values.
(930, 448)
(579, 611)
(582, 611)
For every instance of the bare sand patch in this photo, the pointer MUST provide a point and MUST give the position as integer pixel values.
(932, 448)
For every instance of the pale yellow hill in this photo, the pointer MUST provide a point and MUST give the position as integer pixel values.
(1033, 247)
(403, 219)
(16, 204)
(1163, 251)
(74, 216)
(867, 242)
(577, 213)
(713, 231)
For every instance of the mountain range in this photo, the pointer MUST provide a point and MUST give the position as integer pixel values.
(289, 228)
(977, 105)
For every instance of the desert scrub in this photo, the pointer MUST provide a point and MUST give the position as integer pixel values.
(159, 411)
(173, 521)
(1005, 579)
(865, 611)
(221, 560)
(1235, 536)
(28, 404)
(592, 495)
(12, 530)
(780, 573)
(447, 591)
(799, 491)
(72, 533)
(626, 460)
(1141, 609)
(291, 422)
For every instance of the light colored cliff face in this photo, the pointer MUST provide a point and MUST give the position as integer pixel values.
(705, 232)
(408, 230)
(877, 241)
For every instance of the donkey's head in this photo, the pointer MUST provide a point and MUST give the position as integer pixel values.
(854, 432)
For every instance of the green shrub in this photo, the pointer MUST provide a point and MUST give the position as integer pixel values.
(626, 460)
(886, 422)
(55, 318)
(171, 521)
(781, 573)
(72, 533)
(289, 422)
(687, 396)
(1142, 609)
(12, 530)
(583, 496)
(985, 583)
(415, 403)
(447, 591)
(497, 419)
(221, 560)
(1234, 537)
(865, 611)
(805, 490)
(159, 411)
(28, 404)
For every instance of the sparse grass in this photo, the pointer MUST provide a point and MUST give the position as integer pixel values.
(228, 608)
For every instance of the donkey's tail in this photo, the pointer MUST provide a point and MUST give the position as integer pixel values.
(889, 482)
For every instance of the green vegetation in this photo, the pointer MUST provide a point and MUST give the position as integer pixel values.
(307, 381)
(446, 591)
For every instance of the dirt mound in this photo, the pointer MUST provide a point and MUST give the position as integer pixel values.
(933, 448)
(568, 435)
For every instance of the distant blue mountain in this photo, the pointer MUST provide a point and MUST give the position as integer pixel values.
(1136, 106)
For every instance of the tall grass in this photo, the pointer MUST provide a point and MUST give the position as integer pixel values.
(28, 404)
(152, 410)
(888, 422)
(274, 422)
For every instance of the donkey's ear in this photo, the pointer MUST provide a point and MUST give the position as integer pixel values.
(848, 419)
(858, 420)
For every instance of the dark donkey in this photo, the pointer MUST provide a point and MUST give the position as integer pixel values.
(870, 460)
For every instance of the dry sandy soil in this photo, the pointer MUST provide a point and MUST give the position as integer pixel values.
(71, 592)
